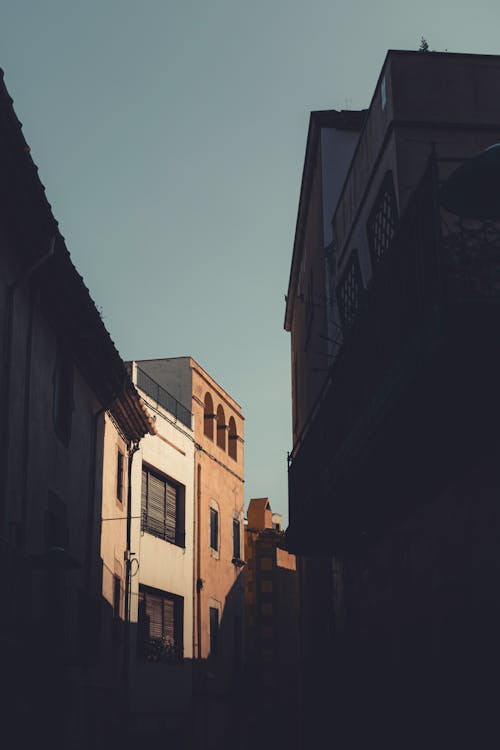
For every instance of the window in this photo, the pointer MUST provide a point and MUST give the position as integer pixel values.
(214, 631)
(349, 292)
(232, 439)
(62, 406)
(119, 476)
(160, 626)
(221, 428)
(163, 507)
(208, 417)
(236, 540)
(383, 220)
(214, 529)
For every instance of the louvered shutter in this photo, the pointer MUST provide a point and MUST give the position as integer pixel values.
(144, 494)
(214, 529)
(171, 519)
(169, 621)
(154, 612)
(214, 631)
(156, 504)
(236, 539)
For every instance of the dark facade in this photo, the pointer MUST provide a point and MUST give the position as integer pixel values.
(398, 453)
(60, 373)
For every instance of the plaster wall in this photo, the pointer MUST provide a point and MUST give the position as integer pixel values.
(114, 513)
(221, 482)
(163, 565)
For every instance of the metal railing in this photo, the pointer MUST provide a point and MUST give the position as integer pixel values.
(163, 398)
(437, 263)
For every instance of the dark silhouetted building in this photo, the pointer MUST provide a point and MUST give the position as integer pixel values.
(393, 307)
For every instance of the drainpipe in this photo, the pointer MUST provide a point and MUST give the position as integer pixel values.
(7, 366)
(133, 448)
(91, 503)
(199, 582)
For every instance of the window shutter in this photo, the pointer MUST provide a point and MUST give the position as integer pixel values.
(169, 621)
(171, 519)
(236, 539)
(156, 502)
(214, 631)
(214, 529)
(144, 493)
(154, 612)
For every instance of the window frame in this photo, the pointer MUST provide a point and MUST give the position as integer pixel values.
(120, 464)
(236, 537)
(214, 538)
(152, 525)
(232, 439)
(213, 631)
(153, 648)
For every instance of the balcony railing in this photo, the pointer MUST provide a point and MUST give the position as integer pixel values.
(163, 398)
(430, 304)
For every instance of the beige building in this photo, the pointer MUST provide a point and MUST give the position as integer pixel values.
(162, 558)
(217, 425)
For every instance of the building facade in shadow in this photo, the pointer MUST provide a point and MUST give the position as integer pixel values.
(61, 380)
(394, 309)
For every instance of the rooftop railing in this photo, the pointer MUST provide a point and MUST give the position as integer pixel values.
(163, 398)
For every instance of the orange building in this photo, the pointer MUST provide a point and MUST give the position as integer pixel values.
(271, 630)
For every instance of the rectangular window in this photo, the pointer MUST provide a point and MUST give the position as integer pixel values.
(236, 540)
(119, 476)
(214, 631)
(163, 507)
(214, 529)
(160, 626)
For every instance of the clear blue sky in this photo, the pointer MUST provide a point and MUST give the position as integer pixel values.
(170, 137)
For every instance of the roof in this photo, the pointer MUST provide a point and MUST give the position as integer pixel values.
(64, 298)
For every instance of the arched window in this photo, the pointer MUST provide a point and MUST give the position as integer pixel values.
(221, 428)
(232, 439)
(208, 417)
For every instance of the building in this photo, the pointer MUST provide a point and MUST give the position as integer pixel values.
(216, 531)
(61, 379)
(395, 441)
(162, 586)
(271, 631)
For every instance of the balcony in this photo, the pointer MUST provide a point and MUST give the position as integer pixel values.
(413, 391)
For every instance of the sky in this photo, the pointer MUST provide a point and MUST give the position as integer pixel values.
(170, 138)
